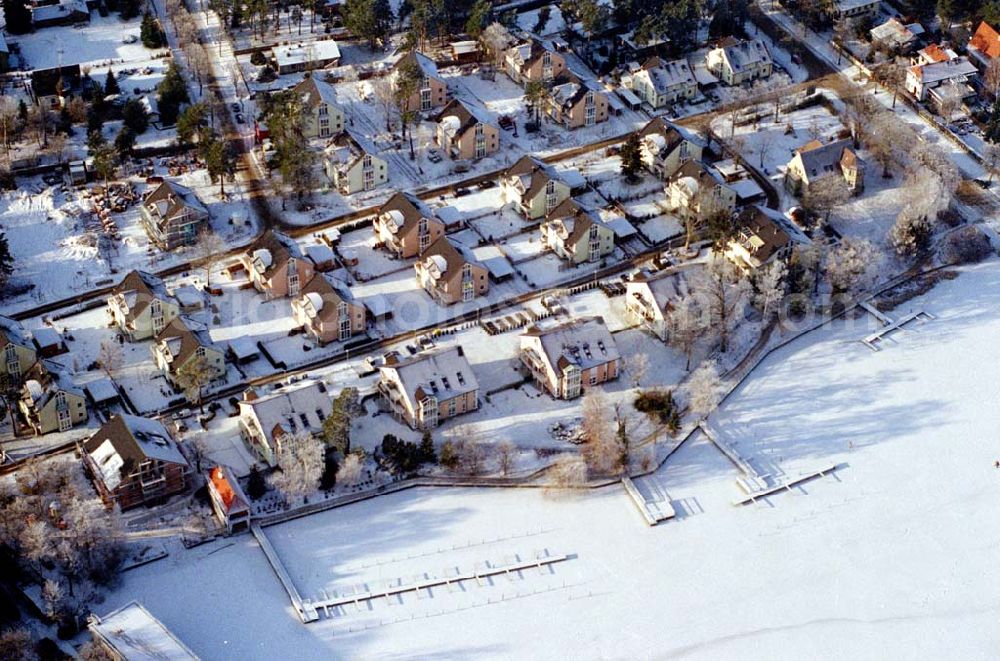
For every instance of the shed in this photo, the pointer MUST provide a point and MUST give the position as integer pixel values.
(243, 350)
(378, 306)
(621, 227)
(48, 342)
(631, 100)
(322, 257)
(102, 392)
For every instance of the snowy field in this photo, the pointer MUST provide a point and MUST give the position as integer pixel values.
(891, 556)
(97, 44)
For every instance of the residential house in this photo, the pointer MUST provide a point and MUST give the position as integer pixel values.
(984, 46)
(17, 354)
(896, 36)
(534, 187)
(738, 62)
(131, 633)
(172, 216)
(933, 53)
(568, 358)
(180, 343)
(432, 90)
(141, 307)
(660, 83)
(49, 399)
(815, 160)
(52, 87)
(575, 101)
(276, 266)
(135, 461)
(353, 165)
(534, 61)
(293, 58)
(65, 12)
(426, 389)
(229, 503)
(840, 9)
(268, 421)
(466, 132)
(762, 235)
(450, 273)
(577, 233)
(697, 191)
(406, 226)
(323, 117)
(327, 310)
(649, 300)
(922, 78)
(665, 146)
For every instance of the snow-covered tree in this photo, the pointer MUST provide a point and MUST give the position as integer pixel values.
(723, 290)
(771, 287)
(350, 469)
(110, 357)
(704, 389)
(686, 323)
(569, 470)
(300, 459)
(851, 265)
(637, 364)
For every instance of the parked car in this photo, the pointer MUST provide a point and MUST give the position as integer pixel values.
(506, 123)
(131, 39)
(433, 155)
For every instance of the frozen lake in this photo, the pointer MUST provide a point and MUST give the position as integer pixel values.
(893, 556)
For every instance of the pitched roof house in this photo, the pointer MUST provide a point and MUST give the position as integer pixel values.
(933, 53)
(533, 61)
(323, 115)
(535, 187)
(430, 387)
(660, 83)
(140, 306)
(923, 78)
(896, 35)
(450, 273)
(697, 190)
(291, 58)
(179, 343)
(327, 310)
(575, 101)
(762, 235)
(16, 351)
(665, 146)
(406, 226)
(50, 401)
(172, 216)
(577, 233)
(229, 502)
(738, 62)
(267, 421)
(984, 45)
(568, 358)
(815, 160)
(353, 163)
(51, 87)
(134, 461)
(839, 9)
(276, 266)
(649, 299)
(466, 132)
(432, 90)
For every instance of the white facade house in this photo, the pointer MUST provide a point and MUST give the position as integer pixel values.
(660, 83)
(268, 421)
(292, 58)
(738, 62)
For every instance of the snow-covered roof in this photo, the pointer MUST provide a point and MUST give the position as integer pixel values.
(621, 227)
(101, 390)
(319, 253)
(243, 348)
(314, 51)
(665, 76)
(292, 409)
(134, 634)
(493, 259)
(442, 373)
(584, 342)
(126, 441)
(189, 297)
(936, 72)
(742, 55)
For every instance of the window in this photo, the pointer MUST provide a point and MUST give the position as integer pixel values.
(550, 196)
(593, 377)
(451, 407)
(200, 352)
(423, 229)
(425, 99)
(323, 110)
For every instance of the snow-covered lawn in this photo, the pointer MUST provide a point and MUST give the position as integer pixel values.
(99, 43)
(893, 552)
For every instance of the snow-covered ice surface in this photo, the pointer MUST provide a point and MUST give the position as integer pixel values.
(891, 556)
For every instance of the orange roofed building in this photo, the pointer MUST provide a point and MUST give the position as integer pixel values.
(984, 46)
(229, 502)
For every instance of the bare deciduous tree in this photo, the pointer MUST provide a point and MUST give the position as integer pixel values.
(724, 291)
(569, 470)
(506, 452)
(770, 288)
(350, 469)
(110, 357)
(686, 323)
